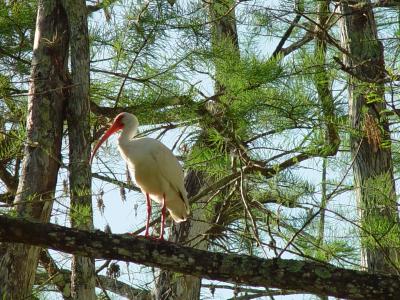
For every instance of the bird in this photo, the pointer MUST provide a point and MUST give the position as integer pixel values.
(154, 168)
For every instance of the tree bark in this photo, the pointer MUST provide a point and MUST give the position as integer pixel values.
(42, 157)
(370, 141)
(288, 274)
(78, 112)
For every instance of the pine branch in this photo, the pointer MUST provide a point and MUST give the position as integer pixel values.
(17, 58)
(116, 182)
(302, 276)
(162, 103)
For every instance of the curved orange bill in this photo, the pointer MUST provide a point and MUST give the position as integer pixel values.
(114, 128)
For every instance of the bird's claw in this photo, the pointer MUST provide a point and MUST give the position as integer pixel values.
(150, 237)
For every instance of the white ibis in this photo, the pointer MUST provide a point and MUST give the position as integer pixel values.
(153, 166)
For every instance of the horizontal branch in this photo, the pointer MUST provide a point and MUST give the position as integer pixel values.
(122, 288)
(102, 282)
(61, 278)
(99, 5)
(161, 104)
(302, 276)
(374, 4)
(17, 58)
(116, 182)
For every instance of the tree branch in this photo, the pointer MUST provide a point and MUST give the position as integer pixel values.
(303, 276)
(99, 6)
(17, 58)
(286, 35)
(122, 289)
(7, 198)
(116, 182)
(296, 45)
(62, 279)
(160, 104)
(377, 4)
(59, 278)
(10, 181)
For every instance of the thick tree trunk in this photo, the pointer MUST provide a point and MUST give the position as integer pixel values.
(78, 112)
(370, 142)
(38, 178)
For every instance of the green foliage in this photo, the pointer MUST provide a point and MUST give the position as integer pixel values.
(286, 189)
(81, 215)
(215, 163)
(17, 22)
(332, 251)
(247, 73)
(11, 143)
(379, 231)
(380, 192)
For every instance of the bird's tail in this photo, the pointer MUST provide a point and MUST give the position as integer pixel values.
(186, 201)
(181, 214)
(178, 219)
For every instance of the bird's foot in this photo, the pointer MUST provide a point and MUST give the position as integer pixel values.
(150, 237)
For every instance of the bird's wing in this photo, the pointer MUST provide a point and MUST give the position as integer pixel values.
(171, 170)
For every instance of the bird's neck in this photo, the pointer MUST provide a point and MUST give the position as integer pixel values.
(127, 134)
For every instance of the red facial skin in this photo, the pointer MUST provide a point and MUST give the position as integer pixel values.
(117, 125)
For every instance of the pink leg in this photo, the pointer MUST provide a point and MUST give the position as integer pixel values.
(163, 211)
(148, 201)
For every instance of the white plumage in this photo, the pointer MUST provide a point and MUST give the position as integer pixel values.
(153, 166)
